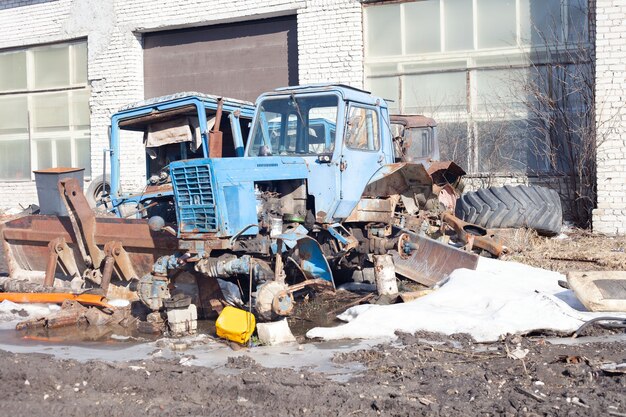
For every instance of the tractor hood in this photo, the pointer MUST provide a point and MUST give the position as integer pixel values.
(217, 195)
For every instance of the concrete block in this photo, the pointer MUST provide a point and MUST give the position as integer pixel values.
(275, 333)
(183, 320)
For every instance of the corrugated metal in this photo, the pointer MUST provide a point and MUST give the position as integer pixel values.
(238, 60)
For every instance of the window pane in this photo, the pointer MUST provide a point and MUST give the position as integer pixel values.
(454, 143)
(459, 25)
(44, 153)
(64, 153)
(80, 63)
(14, 160)
(577, 21)
(421, 22)
(80, 108)
(541, 21)
(387, 88)
(13, 114)
(50, 112)
(429, 93)
(503, 146)
(13, 71)
(83, 155)
(503, 90)
(383, 30)
(362, 130)
(52, 66)
(496, 23)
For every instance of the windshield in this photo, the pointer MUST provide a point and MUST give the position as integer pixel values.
(295, 126)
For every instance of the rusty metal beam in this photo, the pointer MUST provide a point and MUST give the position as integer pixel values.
(83, 221)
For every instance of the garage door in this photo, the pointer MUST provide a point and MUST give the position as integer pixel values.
(239, 60)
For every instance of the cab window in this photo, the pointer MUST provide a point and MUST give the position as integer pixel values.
(362, 131)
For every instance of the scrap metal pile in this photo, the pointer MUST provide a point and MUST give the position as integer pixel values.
(329, 188)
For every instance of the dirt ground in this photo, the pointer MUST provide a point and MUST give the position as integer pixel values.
(424, 374)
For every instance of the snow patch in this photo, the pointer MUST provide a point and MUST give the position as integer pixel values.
(12, 313)
(496, 299)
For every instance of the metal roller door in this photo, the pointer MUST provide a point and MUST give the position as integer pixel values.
(239, 60)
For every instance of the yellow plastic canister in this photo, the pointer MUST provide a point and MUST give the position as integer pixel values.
(235, 324)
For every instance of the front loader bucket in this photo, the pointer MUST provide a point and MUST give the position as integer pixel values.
(27, 249)
(431, 261)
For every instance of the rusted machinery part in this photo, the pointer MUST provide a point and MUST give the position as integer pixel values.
(275, 299)
(428, 261)
(55, 298)
(25, 243)
(9, 284)
(473, 235)
(282, 304)
(83, 221)
(446, 195)
(265, 305)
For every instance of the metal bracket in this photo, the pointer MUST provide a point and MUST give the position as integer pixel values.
(123, 265)
(83, 221)
(346, 241)
(60, 254)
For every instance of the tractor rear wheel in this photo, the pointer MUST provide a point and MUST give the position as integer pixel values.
(531, 207)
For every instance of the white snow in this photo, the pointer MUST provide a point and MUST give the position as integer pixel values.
(496, 299)
(12, 313)
(119, 302)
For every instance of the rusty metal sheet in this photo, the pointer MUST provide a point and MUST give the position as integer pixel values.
(379, 210)
(432, 261)
(444, 172)
(159, 189)
(399, 178)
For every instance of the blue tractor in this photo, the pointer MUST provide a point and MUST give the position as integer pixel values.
(317, 193)
(324, 185)
(172, 128)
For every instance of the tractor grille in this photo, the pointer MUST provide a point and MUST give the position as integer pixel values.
(196, 202)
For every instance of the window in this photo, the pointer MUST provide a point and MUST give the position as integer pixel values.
(421, 22)
(383, 28)
(295, 126)
(362, 129)
(477, 66)
(44, 110)
(496, 23)
(459, 25)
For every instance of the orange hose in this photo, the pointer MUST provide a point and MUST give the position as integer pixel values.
(54, 298)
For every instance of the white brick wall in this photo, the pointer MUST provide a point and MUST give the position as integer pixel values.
(610, 216)
(329, 36)
(330, 42)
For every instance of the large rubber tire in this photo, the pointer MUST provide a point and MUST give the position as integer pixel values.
(95, 189)
(532, 207)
